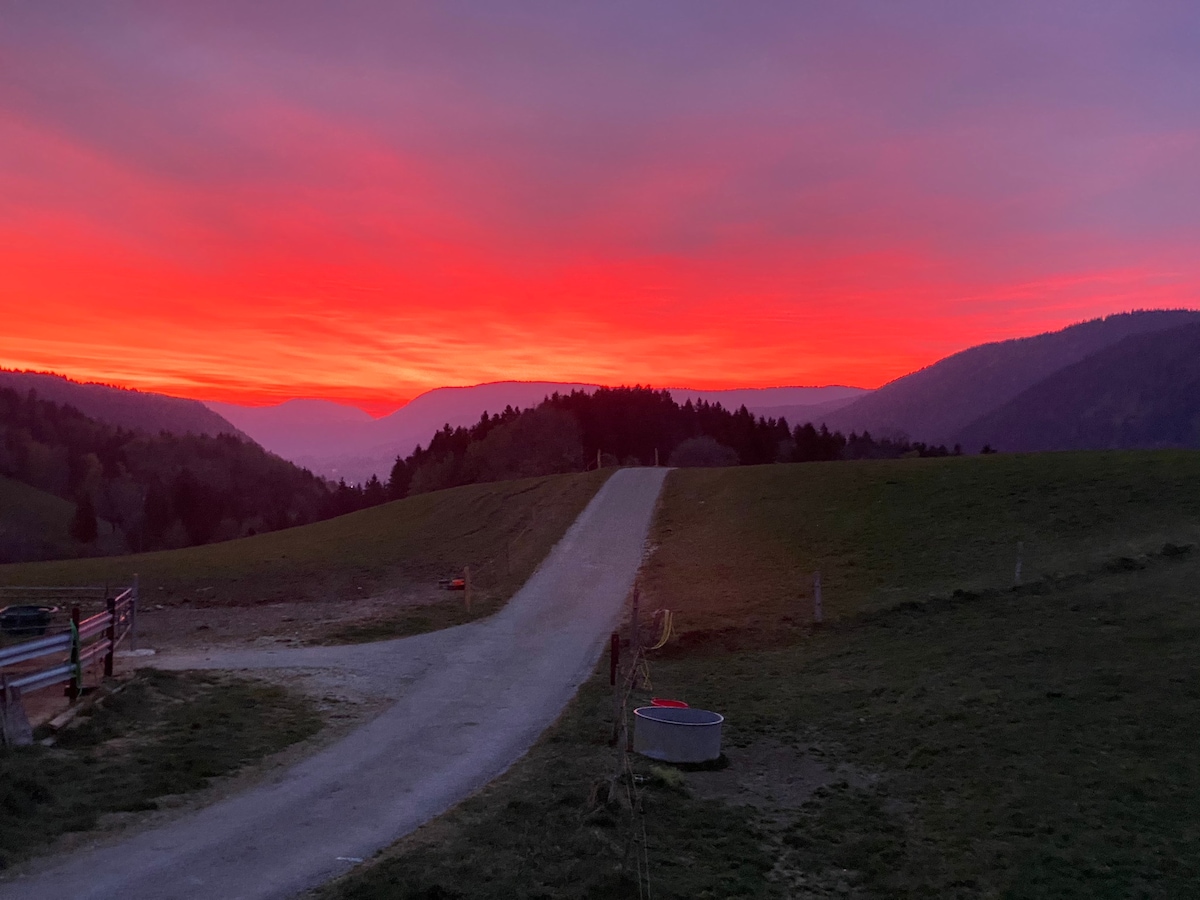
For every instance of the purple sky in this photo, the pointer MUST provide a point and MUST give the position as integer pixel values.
(362, 200)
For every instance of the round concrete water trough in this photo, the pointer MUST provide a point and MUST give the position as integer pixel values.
(677, 734)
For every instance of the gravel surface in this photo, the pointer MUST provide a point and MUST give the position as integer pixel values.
(468, 702)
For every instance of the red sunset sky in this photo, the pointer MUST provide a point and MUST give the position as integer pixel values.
(361, 201)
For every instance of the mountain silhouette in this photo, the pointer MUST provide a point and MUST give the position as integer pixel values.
(135, 410)
(1143, 391)
(938, 402)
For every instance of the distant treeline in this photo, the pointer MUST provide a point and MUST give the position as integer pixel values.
(166, 491)
(611, 427)
(159, 491)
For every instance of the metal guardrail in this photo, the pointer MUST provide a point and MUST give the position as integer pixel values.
(116, 623)
(46, 678)
(38, 647)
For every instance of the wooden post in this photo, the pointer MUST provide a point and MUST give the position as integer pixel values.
(467, 586)
(74, 688)
(598, 458)
(111, 605)
(15, 730)
(614, 657)
(133, 615)
(614, 672)
(818, 606)
(1017, 573)
(635, 636)
(656, 457)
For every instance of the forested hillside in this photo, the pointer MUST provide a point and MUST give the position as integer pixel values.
(1142, 392)
(161, 490)
(937, 402)
(166, 490)
(615, 426)
(125, 408)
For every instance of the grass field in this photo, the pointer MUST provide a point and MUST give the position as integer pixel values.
(943, 735)
(737, 548)
(36, 525)
(502, 531)
(163, 734)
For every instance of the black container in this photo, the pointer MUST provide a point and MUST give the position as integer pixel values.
(26, 620)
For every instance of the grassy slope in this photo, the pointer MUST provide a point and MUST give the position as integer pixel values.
(1030, 743)
(165, 733)
(501, 530)
(28, 515)
(34, 523)
(737, 547)
(1023, 743)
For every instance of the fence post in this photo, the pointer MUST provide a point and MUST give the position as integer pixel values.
(614, 673)
(133, 615)
(635, 638)
(76, 685)
(467, 586)
(818, 606)
(635, 626)
(614, 657)
(111, 605)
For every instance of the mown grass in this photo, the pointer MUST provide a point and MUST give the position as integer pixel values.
(737, 548)
(164, 733)
(501, 530)
(1019, 742)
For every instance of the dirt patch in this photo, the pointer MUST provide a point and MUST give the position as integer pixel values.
(774, 777)
(777, 780)
(193, 625)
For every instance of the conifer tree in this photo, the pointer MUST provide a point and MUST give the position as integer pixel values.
(83, 523)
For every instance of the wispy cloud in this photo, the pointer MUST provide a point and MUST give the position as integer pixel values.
(261, 201)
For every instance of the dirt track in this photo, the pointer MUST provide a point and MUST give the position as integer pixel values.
(469, 701)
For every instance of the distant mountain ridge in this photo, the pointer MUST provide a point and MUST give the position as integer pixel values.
(1144, 391)
(937, 403)
(123, 407)
(342, 442)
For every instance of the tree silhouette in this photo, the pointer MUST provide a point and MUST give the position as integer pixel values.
(83, 524)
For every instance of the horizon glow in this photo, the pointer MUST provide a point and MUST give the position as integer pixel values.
(364, 202)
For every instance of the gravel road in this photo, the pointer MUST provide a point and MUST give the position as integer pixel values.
(469, 702)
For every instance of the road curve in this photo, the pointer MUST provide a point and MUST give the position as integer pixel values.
(470, 701)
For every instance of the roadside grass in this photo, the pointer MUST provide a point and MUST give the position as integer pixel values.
(163, 734)
(1032, 741)
(501, 530)
(542, 831)
(415, 620)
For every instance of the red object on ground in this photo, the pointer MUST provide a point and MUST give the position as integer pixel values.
(663, 701)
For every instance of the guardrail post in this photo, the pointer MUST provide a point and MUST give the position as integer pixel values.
(75, 687)
(111, 633)
(133, 605)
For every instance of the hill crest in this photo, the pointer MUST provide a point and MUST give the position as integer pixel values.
(127, 408)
